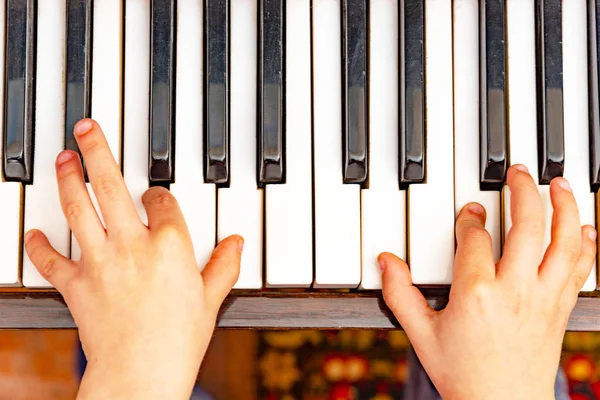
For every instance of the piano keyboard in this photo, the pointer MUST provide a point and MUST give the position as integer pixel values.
(324, 132)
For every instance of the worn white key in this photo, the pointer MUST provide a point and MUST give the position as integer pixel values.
(576, 121)
(240, 206)
(10, 194)
(288, 219)
(42, 203)
(431, 205)
(107, 72)
(196, 198)
(466, 121)
(337, 206)
(383, 204)
(522, 102)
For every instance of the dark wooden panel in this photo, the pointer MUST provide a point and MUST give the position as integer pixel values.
(267, 310)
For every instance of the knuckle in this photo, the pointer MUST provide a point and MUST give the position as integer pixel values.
(65, 172)
(169, 233)
(88, 144)
(478, 292)
(478, 289)
(107, 185)
(476, 233)
(48, 265)
(159, 196)
(578, 281)
(72, 210)
(162, 199)
(530, 228)
(570, 252)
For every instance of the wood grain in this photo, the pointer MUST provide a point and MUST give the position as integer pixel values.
(270, 310)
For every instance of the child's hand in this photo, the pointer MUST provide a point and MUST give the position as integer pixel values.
(144, 311)
(501, 334)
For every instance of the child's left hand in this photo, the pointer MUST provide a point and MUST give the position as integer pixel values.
(144, 311)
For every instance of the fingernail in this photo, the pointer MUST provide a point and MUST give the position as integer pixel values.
(240, 245)
(521, 168)
(28, 236)
(382, 265)
(476, 208)
(564, 184)
(592, 234)
(83, 127)
(64, 156)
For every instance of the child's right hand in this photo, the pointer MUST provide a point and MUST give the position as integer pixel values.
(500, 335)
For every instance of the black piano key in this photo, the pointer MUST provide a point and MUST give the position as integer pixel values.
(551, 149)
(271, 113)
(493, 124)
(216, 96)
(354, 91)
(19, 90)
(162, 92)
(594, 92)
(412, 93)
(79, 67)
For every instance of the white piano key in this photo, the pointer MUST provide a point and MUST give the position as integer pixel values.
(240, 206)
(466, 123)
(42, 203)
(337, 206)
(10, 194)
(522, 102)
(431, 205)
(136, 101)
(288, 219)
(106, 77)
(576, 111)
(383, 204)
(196, 199)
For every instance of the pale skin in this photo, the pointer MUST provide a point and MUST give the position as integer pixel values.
(146, 312)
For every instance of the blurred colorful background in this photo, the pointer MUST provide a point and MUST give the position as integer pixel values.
(280, 365)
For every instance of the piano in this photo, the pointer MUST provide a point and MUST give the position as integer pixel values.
(323, 131)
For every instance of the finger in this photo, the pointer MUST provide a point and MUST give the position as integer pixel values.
(404, 299)
(582, 270)
(54, 267)
(162, 209)
(114, 200)
(474, 258)
(75, 201)
(222, 270)
(565, 245)
(587, 258)
(523, 245)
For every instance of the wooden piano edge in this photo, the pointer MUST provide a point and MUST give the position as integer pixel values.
(30, 309)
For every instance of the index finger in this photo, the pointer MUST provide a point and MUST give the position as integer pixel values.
(523, 246)
(114, 200)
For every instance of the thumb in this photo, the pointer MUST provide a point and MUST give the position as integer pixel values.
(222, 270)
(52, 266)
(404, 299)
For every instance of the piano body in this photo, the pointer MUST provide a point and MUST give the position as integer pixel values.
(323, 131)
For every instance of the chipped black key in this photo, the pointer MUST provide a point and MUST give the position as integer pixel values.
(412, 93)
(216, 95)
(271, 122)
(354, 91)
(79, 67)
(162, 92)
(594, 92)
(493, 124)
(551, 149)
(19, 90)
